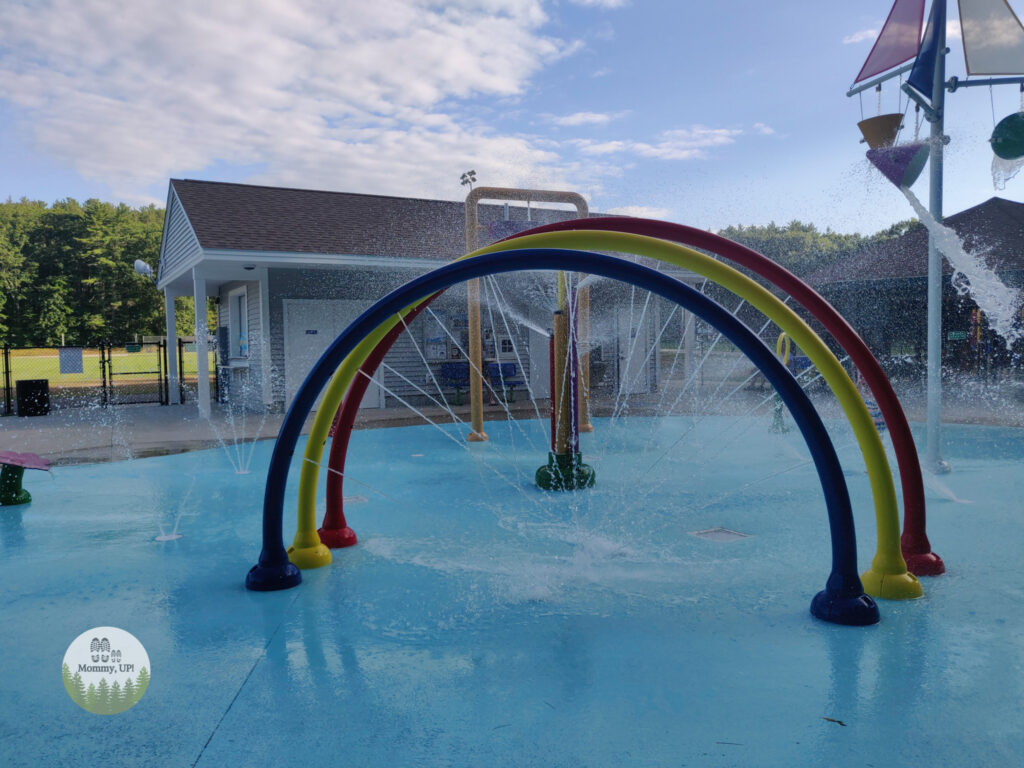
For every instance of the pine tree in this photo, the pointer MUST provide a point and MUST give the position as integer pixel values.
(130, 693)
(141, 683)
(79, 689)
(102, 698)
(117, 698)
(69, 686)
(90, 698)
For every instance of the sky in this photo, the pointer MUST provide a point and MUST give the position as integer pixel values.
(709, 114)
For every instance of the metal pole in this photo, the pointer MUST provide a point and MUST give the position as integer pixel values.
(474, 197)
(933, 456)
(583, 301)
(476, 389)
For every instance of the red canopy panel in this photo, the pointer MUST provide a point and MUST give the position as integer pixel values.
(898, 41)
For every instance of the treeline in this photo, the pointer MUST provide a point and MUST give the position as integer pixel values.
(801, 248)
(67, 271)
(67, 274)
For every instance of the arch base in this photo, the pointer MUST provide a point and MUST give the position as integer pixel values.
(336, 538)
(268, 578)
(924, 563)
(859, 611)
(892, 586)
(309, 557)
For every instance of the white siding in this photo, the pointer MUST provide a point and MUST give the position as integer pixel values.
(179, 245)
(367, 287)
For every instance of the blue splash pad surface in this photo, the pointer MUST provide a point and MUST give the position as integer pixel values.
(482, 622)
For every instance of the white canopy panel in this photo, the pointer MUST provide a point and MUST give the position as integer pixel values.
(993, 38)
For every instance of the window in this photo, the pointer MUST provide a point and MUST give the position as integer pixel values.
(238, 324)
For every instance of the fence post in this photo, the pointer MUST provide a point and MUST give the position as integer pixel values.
(104, 362)
(181, 370)
(165, 385)
(7, 380)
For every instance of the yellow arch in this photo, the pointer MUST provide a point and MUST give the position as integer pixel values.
(783, 347)
(887, 577)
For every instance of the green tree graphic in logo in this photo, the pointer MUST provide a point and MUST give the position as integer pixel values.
(106, 699)
(106, 671)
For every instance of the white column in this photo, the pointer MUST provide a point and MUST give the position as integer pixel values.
(265, 360)
(689, 340)
(202, 347)
(174, 395)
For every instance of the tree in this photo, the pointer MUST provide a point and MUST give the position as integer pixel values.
(141, 683)
(67, 272)
(102, 706)
(117, 703)
(129, 693)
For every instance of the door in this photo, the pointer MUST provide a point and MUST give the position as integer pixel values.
(309, 328)
(633, 341)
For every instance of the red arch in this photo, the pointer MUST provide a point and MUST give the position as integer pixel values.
(914, 541)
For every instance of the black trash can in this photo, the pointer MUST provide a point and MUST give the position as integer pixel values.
(33, 397)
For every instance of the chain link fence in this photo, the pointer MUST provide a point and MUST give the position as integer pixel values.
(43, 378)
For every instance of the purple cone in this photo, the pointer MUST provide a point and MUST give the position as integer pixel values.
(901, 164)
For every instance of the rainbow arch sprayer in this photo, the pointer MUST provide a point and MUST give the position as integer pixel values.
(916, 548)
(888, 576)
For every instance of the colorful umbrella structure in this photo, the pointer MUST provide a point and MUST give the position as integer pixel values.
(14, 465)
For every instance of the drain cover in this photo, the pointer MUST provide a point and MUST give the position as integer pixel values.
(720, 534)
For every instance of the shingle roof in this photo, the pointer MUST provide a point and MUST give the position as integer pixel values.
(248, 217)
(994, 229)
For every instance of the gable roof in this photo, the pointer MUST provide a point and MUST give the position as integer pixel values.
(244, 217)
(994, 229)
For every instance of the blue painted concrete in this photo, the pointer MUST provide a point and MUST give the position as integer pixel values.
(482, 622)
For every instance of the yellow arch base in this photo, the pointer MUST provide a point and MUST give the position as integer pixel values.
(892, 586)
(887, 577)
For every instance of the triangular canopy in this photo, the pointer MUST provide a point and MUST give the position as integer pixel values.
(898, 39)
(922, 76)
(993, 38)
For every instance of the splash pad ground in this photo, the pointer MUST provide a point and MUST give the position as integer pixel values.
(482, 622)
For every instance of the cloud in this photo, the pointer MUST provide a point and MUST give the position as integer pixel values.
(376, 97)
(860, 37)
(676, 144)
(642, 211)
(586, 118)
(601, 3)
(764, 130)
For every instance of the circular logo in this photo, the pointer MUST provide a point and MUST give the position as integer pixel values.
(106, 670)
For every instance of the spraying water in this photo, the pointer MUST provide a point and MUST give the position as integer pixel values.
(999, 302)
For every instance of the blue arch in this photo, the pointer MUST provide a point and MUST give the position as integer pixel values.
(842, 601)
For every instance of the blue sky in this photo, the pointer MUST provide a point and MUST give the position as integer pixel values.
(710, 114)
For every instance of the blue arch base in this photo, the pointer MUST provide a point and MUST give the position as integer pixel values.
(841, 602)
(269, 575)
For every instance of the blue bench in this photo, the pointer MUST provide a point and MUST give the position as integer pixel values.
(455, 375)
(502, 377)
